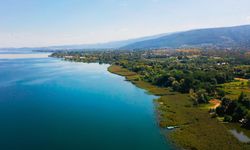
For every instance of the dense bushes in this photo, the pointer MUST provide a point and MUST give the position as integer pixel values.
(235, 110)
(182, 77)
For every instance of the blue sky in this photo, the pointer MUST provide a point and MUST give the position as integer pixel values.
(35, 23)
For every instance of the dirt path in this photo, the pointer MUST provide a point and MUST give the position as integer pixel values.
(215, 102)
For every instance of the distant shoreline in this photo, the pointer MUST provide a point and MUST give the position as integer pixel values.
(23, 56)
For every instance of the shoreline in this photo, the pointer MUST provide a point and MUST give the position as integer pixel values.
(176, 109)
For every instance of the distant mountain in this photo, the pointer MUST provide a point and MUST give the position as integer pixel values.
(227, 37)
(107, 45)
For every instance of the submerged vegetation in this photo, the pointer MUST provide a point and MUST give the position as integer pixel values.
(187, 81)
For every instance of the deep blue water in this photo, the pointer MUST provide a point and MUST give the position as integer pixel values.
(49, 104)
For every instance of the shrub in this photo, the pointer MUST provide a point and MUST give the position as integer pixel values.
(228, 118)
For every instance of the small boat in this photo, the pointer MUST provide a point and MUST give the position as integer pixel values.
(172, 127)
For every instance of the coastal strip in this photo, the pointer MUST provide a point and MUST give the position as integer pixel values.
(196, 128)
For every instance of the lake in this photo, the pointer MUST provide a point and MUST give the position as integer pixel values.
(50, 104)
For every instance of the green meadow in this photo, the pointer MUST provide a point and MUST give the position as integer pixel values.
(234, 88)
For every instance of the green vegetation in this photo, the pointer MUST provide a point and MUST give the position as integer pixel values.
(197, 129)
(233, 89)
(236, 110)
(200, 72)
(187, 80)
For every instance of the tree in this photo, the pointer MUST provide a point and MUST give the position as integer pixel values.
(221, 93)
(214, 81)
(244, 100)
(176, 86)
(186, 84)
(239, 113)
(171, 80)
(202, 96)
(246, 122)
(193, 96)
(228, 118)
(241, 97)
(163, 80)
(220, 110)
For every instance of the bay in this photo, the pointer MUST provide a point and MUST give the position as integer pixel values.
(47, 103)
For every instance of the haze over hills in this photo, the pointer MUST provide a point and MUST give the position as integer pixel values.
(109, 45)
(105, 45)
(225, 37)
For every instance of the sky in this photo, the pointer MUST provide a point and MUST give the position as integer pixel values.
(39, 23)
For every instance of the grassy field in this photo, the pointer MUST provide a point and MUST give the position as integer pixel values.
(198, 130)
(233, 89)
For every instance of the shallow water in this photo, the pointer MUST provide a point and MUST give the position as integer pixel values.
(46, 103)
(240, 136)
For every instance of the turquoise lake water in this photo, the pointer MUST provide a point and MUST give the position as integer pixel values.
(49, 104)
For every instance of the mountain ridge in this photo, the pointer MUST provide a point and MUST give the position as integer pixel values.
(235, 36)
(222, 37)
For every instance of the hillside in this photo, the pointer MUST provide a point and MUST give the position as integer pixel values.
(238, 36)
(108, 45)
